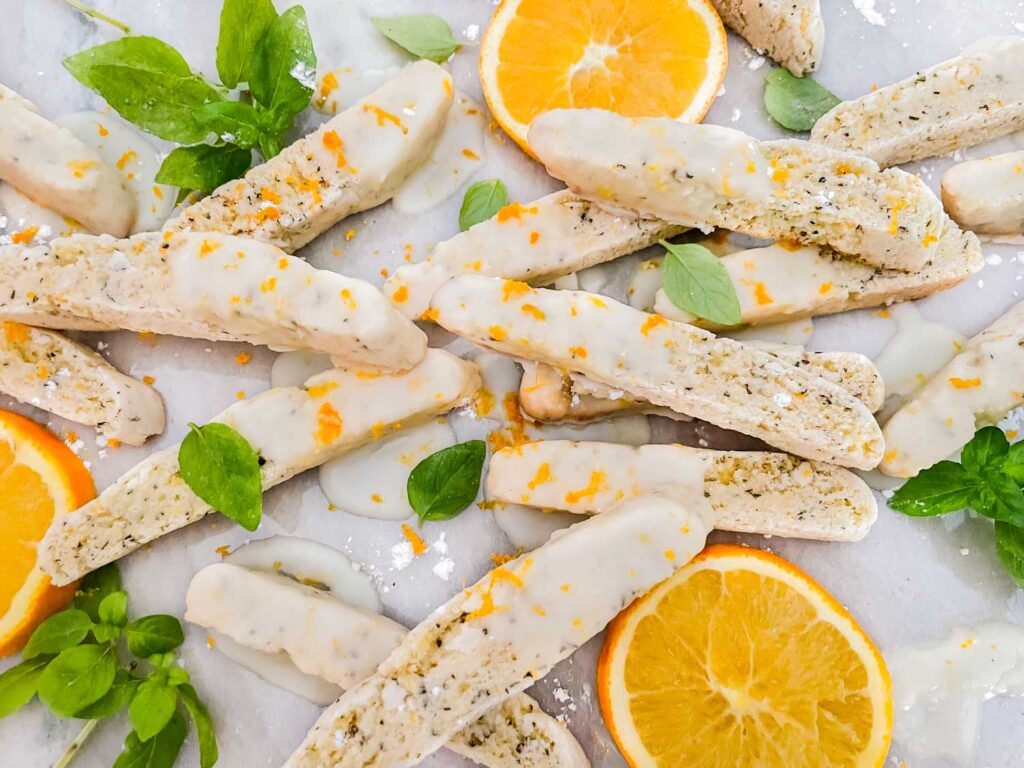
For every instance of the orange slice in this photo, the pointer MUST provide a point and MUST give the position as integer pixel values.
(40, 479)
(639, 58)
(741, 659)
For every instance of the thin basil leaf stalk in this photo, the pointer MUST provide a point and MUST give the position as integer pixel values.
(92, 13)
(695, 280)
(985, 480)
(446, 482)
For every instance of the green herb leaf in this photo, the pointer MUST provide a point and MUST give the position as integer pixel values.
(149, 84)
(1013, 464)
(1000, 498)
(158, 633)
(222, 469)
(177, 676)
(482, 201)
(1010, 548)
(115, 700)
(18, 684)
(426, 35)
(114, 609)
(235, 122)
(152, 707)
(986, 450)
(945, 487)
(159, 752)
(96, 586)
(203, 167)
(794, 102)
(204, 725)
(284, 65)
(78, 677)
(242, 23)
(62, 630)
(695, 280)
(446, 482)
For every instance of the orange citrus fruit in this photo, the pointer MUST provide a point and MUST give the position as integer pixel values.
(40, 479)
(741, 659)
(639, 58)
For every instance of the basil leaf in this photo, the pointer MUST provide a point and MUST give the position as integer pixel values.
(1000, 498)
(986, 450)
(695, 280)
(1010, 548)
(203, 167)
(18, 684)
(149, 84)
(1013, 464)
(152, 708)
(116, 699)
(284, 65)
(426, 35)
(158, 633)
(204, 725)
(271, 143)
(945, 487)
(446, 482)
(62, 630)
(222, 469)
(482, 201)
(158, 752)
(177, 676)
(234, 122)
(78, 677)
(242, 23)
(796, 103)
(96, 586)
(114, 609)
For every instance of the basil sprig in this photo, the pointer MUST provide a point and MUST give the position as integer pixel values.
(150, 84)
(695, 280)
(446, 482)
(794, 102)
(73, 662)
(223, 470)
(423, 35)
(482, 201)
(987, 479)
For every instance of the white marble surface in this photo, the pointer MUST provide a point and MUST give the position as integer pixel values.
(908, 582)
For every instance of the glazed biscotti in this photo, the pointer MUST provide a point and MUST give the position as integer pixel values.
(790, 31)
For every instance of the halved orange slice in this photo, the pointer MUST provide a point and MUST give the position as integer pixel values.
(741, 659)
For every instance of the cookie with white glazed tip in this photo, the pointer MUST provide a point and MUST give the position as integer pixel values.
(205, 286)
(355, 161)
(987, 196)
(344, 644)
(498, 636)
(53, 167)
(976, 388)
(708, 176)
(774, 494)
(787, 281)
(792, 32)
(687, 369)
(969, 99)
(68, 379)
(535, 242)
(291, 428)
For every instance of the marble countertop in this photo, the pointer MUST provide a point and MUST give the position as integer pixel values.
(909, 581)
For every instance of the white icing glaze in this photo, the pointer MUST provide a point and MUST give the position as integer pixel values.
(341, 87)
(291, 369)
(987, 195)
(528, 527)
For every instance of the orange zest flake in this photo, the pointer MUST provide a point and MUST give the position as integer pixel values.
(328, 424)
(79, 167)
(761, 295)
(240, 394)
(535, 312)
(283, 262)
(469, 153)
(598, 482)
(148, 336)
(15, 332)
(333, 143)
(346, 296)
(779, 175)
(418, 545)
(306, 185)
(328, 85)
(376, 498)
(269, 285)
(207, 247)
(71, 437)
(515, 211)
(42, 371)
(513, 288)
(890, 455)
(825, 287)
(578, 351)
(157, 192)
(349, 235)
(384, 272)
(319, 390)
(539, 611)
(243, 358)
(497, 333)
(430, 314)
(483, 401)
(126, 158)
(670, 554)
(101, 129)
(377, 430)
(565, 587)
(652, 322)
(789, 245)
(401, 295)
(25, 236)
(270, 212)
(534, 237)
(542, 476)
(368, 374)
(148, 380)
(384, 117)
(898, 204)
(928, 240)
(268, 194)
(959, 383)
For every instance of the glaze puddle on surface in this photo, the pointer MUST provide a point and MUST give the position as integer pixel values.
(20, 215)
(340, 88)
(371, 481)
(939, 689)
(292, 369)
(795, 333)
(644, 283)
